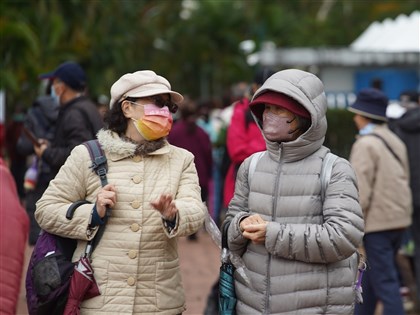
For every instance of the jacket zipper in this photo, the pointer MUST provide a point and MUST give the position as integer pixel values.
(273, 217)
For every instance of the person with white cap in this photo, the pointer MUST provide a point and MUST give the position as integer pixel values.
(380, 161)
(154, 194)
(298, 241)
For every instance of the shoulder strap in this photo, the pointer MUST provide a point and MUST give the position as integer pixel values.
(326, 171)
(99, 165)
(387, 146)
(325, 176)
(254, 161)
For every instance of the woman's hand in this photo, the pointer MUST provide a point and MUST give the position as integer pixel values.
(107, 196)
(254, 228)
(166, 206)
(43, 145)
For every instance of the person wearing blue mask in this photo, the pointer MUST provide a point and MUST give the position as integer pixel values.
(78, 119)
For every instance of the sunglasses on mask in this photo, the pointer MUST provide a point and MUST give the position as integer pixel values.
(159, 101)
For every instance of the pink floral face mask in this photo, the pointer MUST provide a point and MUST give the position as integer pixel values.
(155, 123)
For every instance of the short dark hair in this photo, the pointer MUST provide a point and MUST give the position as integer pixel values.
(115, 120)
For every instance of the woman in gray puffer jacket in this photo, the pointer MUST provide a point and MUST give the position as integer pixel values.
(299, 249)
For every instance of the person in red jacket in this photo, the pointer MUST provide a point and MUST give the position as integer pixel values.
(14, 231)
(243, 136)
(243, 139)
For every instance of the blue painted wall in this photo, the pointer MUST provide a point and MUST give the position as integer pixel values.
(394, 81)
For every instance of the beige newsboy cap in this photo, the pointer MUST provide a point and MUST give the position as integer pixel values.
(142, 84)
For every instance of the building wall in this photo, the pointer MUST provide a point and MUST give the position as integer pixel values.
(343, 83)
(339, 85)
(393, 80)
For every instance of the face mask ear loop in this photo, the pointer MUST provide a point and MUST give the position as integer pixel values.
(290, 121)
(297, 128)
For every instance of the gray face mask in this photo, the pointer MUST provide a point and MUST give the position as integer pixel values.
(55, 96)
(278, 128)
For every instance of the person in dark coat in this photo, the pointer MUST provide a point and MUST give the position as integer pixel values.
(78, 118)
(14, 228)
(40, 120)
(404, 121)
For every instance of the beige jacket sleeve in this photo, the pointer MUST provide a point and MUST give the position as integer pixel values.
(75, 181)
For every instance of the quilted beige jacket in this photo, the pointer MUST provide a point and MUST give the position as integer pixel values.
(385, 194)
(136, 263)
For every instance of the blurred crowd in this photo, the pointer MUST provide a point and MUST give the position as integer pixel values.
(220, 134)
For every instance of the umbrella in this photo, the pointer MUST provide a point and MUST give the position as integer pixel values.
(227, 295)
(82, 286)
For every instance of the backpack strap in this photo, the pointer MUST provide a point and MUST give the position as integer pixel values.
(326, 171)
(325, 176)
(99, 163)
(100, 167)
(254, 161)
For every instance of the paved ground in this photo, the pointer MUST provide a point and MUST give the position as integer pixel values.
(199, 266)
(200, 263)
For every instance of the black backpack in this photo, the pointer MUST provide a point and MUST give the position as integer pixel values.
(50, 267)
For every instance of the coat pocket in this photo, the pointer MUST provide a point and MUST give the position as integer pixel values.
(169, 290)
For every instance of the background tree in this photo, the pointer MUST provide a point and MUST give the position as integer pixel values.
(195, 44)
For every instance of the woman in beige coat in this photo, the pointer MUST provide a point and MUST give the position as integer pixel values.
(154, 195)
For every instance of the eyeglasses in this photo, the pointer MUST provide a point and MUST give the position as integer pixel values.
(160, 102)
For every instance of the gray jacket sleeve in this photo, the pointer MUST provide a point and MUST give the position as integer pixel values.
(238, 210)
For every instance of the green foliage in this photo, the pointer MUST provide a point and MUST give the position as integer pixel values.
(195, 44)
(341, 131)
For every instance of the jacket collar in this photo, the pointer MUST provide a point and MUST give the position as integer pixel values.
(118, 149)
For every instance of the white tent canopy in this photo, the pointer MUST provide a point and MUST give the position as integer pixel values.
(399, 35)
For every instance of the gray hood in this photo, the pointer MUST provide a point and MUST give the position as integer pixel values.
(308, 90)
